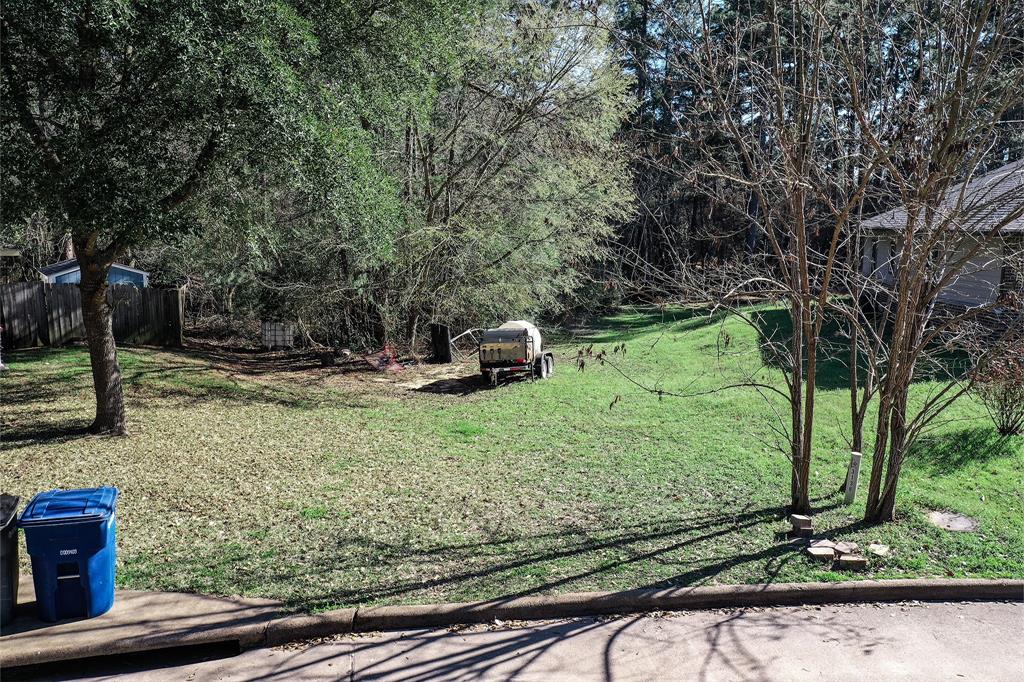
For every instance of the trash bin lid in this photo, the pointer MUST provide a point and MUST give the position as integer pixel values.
(70, 506)
(8, 509)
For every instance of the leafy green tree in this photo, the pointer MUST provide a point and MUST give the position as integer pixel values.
(121, 119)
(514, 178)
(485, 196)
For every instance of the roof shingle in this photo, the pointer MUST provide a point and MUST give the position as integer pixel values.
(989, 201)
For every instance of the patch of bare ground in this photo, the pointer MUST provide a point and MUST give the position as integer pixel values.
(306, 367)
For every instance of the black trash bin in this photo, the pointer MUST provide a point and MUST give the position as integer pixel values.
(8, 558)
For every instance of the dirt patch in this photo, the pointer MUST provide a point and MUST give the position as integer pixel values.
(953, 521)
(456, 378)
(305, 367)
(256, 361)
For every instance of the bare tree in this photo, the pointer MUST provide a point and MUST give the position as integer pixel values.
(763, 131)
(802, 122)
(932, 124)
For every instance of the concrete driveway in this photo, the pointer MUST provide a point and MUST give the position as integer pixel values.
(910, 641)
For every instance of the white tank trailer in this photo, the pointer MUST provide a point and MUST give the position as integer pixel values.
(514, 348)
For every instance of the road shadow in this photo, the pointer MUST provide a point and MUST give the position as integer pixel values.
(126, 665)
(737, 644)
(138, 620)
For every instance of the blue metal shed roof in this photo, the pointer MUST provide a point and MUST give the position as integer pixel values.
(59, 266)
(72, 264)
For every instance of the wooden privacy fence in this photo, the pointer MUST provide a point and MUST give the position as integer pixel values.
(41, 314)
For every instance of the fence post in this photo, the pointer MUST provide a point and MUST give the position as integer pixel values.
(52, 309)
(179, 316)
(41, 326)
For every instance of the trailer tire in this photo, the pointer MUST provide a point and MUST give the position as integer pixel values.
(551, 365)
(546, 367)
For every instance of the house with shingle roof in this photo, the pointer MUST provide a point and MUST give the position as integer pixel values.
(989, 209)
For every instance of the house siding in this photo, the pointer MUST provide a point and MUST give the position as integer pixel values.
(115, 276)
(978, 284)
(877, 258)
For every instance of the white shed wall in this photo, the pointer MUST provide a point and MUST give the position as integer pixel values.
(978, 283)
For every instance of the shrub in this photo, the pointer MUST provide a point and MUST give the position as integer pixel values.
(999, 383)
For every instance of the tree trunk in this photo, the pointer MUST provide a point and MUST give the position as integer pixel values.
(99, 334)
(884, 507)
(856, 416)
(800, 501)
(878, 457)
(412, 324)
(811, 344)
(857, 442)
(885, 510)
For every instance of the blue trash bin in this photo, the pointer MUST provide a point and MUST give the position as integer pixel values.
(69, 535)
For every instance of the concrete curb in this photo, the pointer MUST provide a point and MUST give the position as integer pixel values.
(292, 628)
(677, 599)
(289, 628)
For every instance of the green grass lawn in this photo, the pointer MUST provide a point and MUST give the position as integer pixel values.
(326, 488)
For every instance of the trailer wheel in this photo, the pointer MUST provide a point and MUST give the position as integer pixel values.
(550, 359)
(545, 367)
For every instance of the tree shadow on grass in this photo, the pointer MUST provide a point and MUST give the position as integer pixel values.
(775, 332)
(456, 386)
(772, 324)
(145, 378)
(948, 453)
(396, 572)
(20, 386)
(193, 386)
(37, 421)
(256, 362)
(44, 433)
(643, 321)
